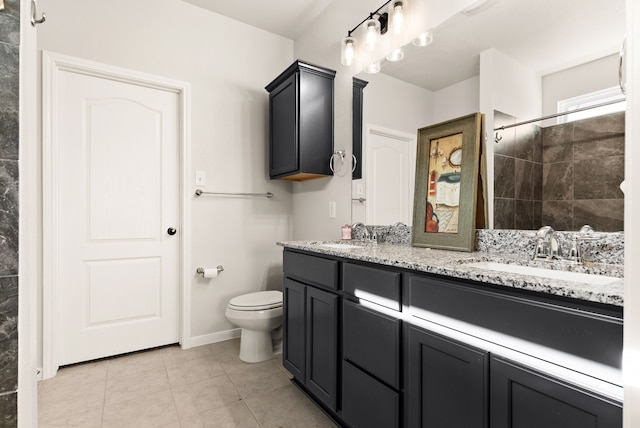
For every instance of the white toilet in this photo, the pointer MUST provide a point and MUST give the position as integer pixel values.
(258, 314)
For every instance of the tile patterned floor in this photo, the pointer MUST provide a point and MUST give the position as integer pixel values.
(207, 386)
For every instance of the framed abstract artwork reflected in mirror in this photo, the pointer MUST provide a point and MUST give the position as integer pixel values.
(446, 188)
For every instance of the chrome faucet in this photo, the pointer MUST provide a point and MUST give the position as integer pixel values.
(547, 246)
(366, 235)
(575, 252)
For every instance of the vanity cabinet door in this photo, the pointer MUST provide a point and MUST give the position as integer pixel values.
(294, 314)
(367, 403)
(446, 383)
(371, 341)
(524, 398)
(322, 345)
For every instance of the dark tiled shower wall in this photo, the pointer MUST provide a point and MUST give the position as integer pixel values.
(518, 175)
(9, 119)
(583, 169)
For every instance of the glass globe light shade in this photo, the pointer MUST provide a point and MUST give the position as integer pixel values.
(371, 33)
(395, 55)
(348, 51)
(424, 39)
(396, 13)
(373, 68)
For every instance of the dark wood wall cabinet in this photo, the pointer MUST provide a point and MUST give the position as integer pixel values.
(301, 122)
(358, 98)
(356, 342)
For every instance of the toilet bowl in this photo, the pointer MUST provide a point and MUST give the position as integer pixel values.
(257, 314)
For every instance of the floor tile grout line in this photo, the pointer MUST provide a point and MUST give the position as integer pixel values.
(173, 397)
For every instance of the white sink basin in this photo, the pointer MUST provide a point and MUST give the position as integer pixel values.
(546, 273)
(340, 246)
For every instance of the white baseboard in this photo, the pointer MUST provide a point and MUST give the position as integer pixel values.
(220, 336)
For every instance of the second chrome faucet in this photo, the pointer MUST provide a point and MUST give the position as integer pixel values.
(547, 246)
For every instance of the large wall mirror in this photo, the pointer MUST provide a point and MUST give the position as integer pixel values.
(513, 60)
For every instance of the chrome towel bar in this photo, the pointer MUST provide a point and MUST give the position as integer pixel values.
(264, 195)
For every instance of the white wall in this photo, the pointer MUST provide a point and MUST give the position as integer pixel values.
(457, 100)
(631, 364)
(392, 103)
(227, 64)
(582, 79)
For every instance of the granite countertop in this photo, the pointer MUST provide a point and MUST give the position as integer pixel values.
(456, 264)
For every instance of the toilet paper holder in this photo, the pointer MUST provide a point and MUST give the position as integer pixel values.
(200, 270)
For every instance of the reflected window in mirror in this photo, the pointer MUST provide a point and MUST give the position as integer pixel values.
(610, 95)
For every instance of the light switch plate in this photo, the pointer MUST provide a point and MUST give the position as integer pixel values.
(332, 210)
(201, 178)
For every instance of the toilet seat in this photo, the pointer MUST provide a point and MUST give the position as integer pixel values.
(260, 301)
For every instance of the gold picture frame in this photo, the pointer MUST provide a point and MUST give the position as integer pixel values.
(446, 190)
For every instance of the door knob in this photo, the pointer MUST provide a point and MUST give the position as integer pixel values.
(171, 231)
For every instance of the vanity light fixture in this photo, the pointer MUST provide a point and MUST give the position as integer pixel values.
(383, 33)
(373, 27)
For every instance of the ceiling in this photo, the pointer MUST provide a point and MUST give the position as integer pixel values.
(287, 18)
(543, 35)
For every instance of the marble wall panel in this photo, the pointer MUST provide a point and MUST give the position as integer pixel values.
(528, 180)
(8, 334)
(557, 181)
(558, 214)
(601, 214)
(9, 410)
(9, 100)
(599, 178)
(504, 213)
(529, 143)
(8, 218)
(525, 215)
(9, 154)
(600, 127)
(10, 22)
(504, 176)
(557, 143)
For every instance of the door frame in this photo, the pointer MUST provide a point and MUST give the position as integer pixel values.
(412, 139)
(52, 65)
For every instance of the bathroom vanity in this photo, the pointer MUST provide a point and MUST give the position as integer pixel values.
(390, 335)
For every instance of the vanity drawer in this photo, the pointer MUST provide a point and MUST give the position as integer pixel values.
(558, 325)
(367, 403)
(311, 270)
(371, 341)
(375, 285)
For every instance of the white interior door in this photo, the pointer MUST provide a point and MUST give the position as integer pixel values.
(389, 165)
(118, 188)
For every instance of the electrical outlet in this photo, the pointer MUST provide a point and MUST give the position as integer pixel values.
(332, 210)
(201, 178)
